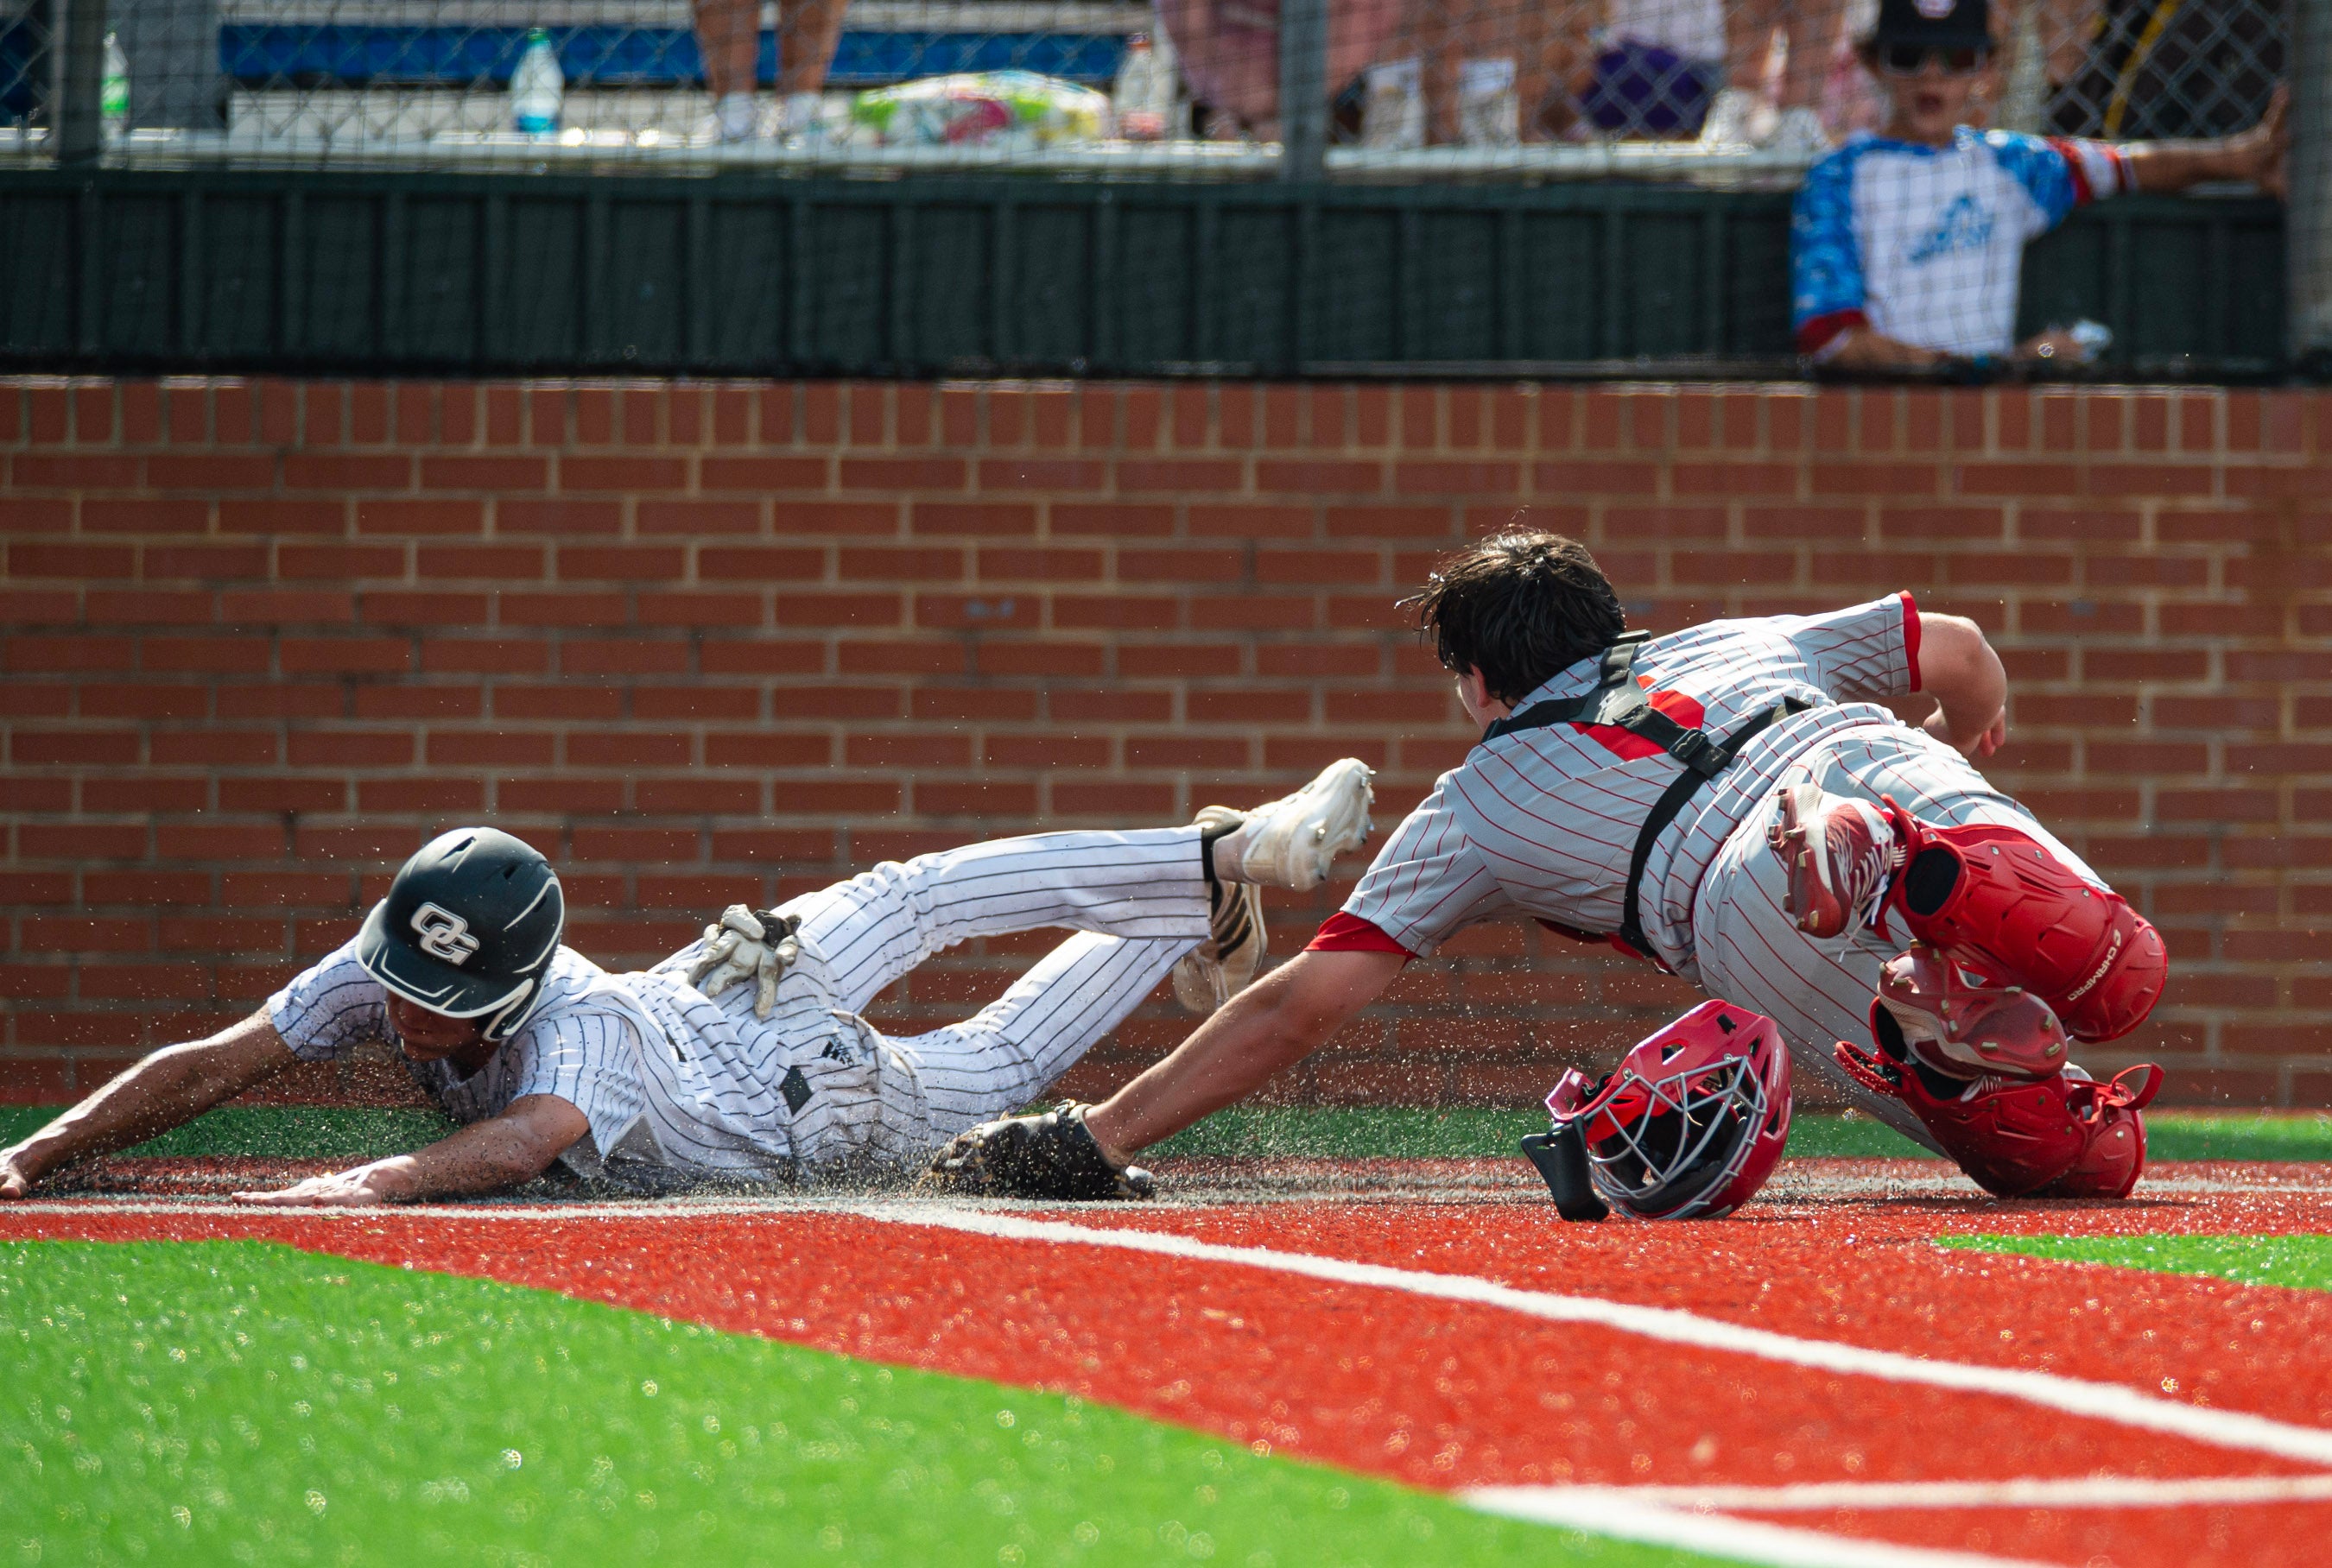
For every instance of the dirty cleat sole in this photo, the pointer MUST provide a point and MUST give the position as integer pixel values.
(1837, 853)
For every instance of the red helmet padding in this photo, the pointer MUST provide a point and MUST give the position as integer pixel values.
(1731, 1064)
(1963, 1024)
(2022, 917)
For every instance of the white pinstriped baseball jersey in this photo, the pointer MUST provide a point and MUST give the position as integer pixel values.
(583, 1043)
(669, 1079)
(1544, 821)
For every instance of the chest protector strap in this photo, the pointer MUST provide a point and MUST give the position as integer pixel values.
(1617, 700)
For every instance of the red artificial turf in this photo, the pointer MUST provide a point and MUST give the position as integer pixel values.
(1444, 1394)
(1870, 1276)
(1423, 1392)
(2249, 1535)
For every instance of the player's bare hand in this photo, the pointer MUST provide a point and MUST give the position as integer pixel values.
(1976, 747)
(16, 1181)
(382, 1181)
(744, 945)
(2056, 346)
(2259, 153)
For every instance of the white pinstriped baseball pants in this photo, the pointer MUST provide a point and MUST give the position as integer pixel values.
(1137, 901)
(1751, 954)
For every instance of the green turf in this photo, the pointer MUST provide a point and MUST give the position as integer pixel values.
(279, 1132)
(2301, 1262)
(320, 1132)
(2202, 1136)
(240, 1402)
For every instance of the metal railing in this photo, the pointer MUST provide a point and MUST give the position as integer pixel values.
(1723, 90)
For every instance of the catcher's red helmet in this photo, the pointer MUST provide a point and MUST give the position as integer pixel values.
(1691, 1122)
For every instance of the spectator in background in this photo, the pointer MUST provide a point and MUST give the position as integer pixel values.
(1906, 247)
(1538, 51)
(729, 40)
(1824, 75)
(1229, 51)
(1663, 67)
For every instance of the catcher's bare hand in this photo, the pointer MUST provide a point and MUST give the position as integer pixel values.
(1049, 1155)
(744, 945)
(1975, 748)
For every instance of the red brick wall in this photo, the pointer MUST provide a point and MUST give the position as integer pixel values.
(704, 643)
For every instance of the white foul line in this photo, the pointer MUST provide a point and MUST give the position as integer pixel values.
(2101, 1401)
(1827, 1497)
(1611, 1511)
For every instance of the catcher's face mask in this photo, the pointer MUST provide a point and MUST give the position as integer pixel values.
(1691, 1122)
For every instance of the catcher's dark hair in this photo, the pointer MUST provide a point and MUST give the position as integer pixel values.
(1518, 607)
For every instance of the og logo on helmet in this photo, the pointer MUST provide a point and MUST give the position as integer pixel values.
(444, 934)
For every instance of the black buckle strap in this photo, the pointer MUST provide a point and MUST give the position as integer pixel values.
(1617, 700)
(1609, 702)
(1672, 800)
(1703, 755)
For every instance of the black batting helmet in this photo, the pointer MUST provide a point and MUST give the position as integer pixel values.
(468, 928)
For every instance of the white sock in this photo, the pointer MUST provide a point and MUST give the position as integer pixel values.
(1229, 852)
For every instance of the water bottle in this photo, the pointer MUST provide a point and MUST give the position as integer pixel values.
(537, 86)
(1144, 93)
(113, 91)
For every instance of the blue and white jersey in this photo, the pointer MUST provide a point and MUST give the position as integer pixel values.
(1927, 244)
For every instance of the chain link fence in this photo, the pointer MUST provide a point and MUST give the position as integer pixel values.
(1727, 90)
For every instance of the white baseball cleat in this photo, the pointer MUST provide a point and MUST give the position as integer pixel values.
(1288, 843)
(1220, 968)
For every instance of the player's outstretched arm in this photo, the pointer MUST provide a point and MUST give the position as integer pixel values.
(171, 1087)
(2256, 155)
(1865, 350)
(1958, 668)
(500, 1151)
(1273, 1023)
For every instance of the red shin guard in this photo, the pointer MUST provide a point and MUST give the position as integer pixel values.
(2064, 1136)
(1995, 900)
(2011, 1136)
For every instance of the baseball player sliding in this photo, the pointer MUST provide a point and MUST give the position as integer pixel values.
(1731, 803)
(743, 1055)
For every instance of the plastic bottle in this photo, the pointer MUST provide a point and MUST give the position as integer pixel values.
(1144, 92)
(537, 86)
(113, 91)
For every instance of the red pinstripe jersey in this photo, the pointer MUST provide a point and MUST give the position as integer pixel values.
(1544, 821)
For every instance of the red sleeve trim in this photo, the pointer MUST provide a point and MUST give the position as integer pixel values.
(1911, 635)
(2082, 193)
(2077, 154)
(1342, 933)
(1817, 333)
